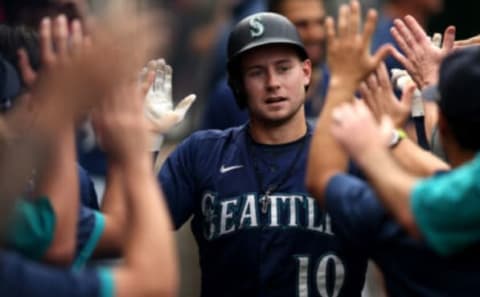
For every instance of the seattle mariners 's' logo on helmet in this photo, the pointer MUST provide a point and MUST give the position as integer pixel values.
(256, 27)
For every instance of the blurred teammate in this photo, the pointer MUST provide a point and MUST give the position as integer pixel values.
(406, 263)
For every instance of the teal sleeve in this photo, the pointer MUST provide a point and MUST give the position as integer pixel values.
(85, 254)
(107, 283)
(447, 209)
(31, 227)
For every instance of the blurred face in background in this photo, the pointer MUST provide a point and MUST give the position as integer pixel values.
(431, 6)
(30, 13)
(309, 18)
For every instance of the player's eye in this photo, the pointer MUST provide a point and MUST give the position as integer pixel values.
(284, 68)
(255, 72)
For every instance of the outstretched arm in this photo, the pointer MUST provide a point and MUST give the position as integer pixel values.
(59, 179)
(350, 61)
(148, 240)
(377, 92)
(367, 142)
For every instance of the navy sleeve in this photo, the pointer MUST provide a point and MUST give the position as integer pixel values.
(19, 277)
(90, 227)
(356, 213)
(177, 179)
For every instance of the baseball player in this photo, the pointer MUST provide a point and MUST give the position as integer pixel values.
(258, 230)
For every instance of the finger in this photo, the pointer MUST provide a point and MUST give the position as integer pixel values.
(152, 65)
(77, 36)
(330, 30)
(365, 92)
(337, 116)
(382, 54)
(437, 40)
(383, 78)
(354, 17)
(373, 102)
(400, 41)
(28, 74)
(407, 95)
(185, 104)
(60, 35)
(163, 124)
(468, 42)
(405, 33)
(372, 82)
(370, 25)
(168, 80)
(449, 38)
(397, 55)
(160, 77)
(417, 31)
(368, 97)
(46, 45)
(343, 17)
(146, 83)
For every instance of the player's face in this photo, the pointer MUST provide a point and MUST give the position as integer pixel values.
(309, 18)
(274, 80)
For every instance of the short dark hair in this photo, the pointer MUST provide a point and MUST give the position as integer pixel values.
(14, 38)
(466, 133)
(277, 5)
(459, 99)
(30, 12)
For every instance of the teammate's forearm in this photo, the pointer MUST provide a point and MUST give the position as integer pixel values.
(393, 188)
(326, 157)
(417, 161)
(150, 249)
(115, 211)
(59, 182)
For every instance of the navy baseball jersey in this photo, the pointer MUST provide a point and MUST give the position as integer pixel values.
(409, 266)
(258, 230)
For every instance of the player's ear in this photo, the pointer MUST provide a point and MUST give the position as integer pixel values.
(307, 71)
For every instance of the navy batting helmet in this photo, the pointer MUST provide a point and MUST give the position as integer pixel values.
(254, 31)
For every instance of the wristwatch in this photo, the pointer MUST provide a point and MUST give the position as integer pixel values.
(397, 136)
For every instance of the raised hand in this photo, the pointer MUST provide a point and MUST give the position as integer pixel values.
(422, 57)
(377, 92)
(349, 57)
(158, 101)
(357, 131)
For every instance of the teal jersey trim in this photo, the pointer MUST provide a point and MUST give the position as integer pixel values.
(31, 228)
(92, 242)
(107, 283)
(446, 208)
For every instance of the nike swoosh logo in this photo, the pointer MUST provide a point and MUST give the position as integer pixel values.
(224, 169)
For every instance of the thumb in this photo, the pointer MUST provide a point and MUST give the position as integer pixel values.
(382, 54)
(407, 95)
(185, 104)
(28, 74)
(449, 38)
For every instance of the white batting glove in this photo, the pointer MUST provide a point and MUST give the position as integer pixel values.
(158, 102)
(400, 79)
